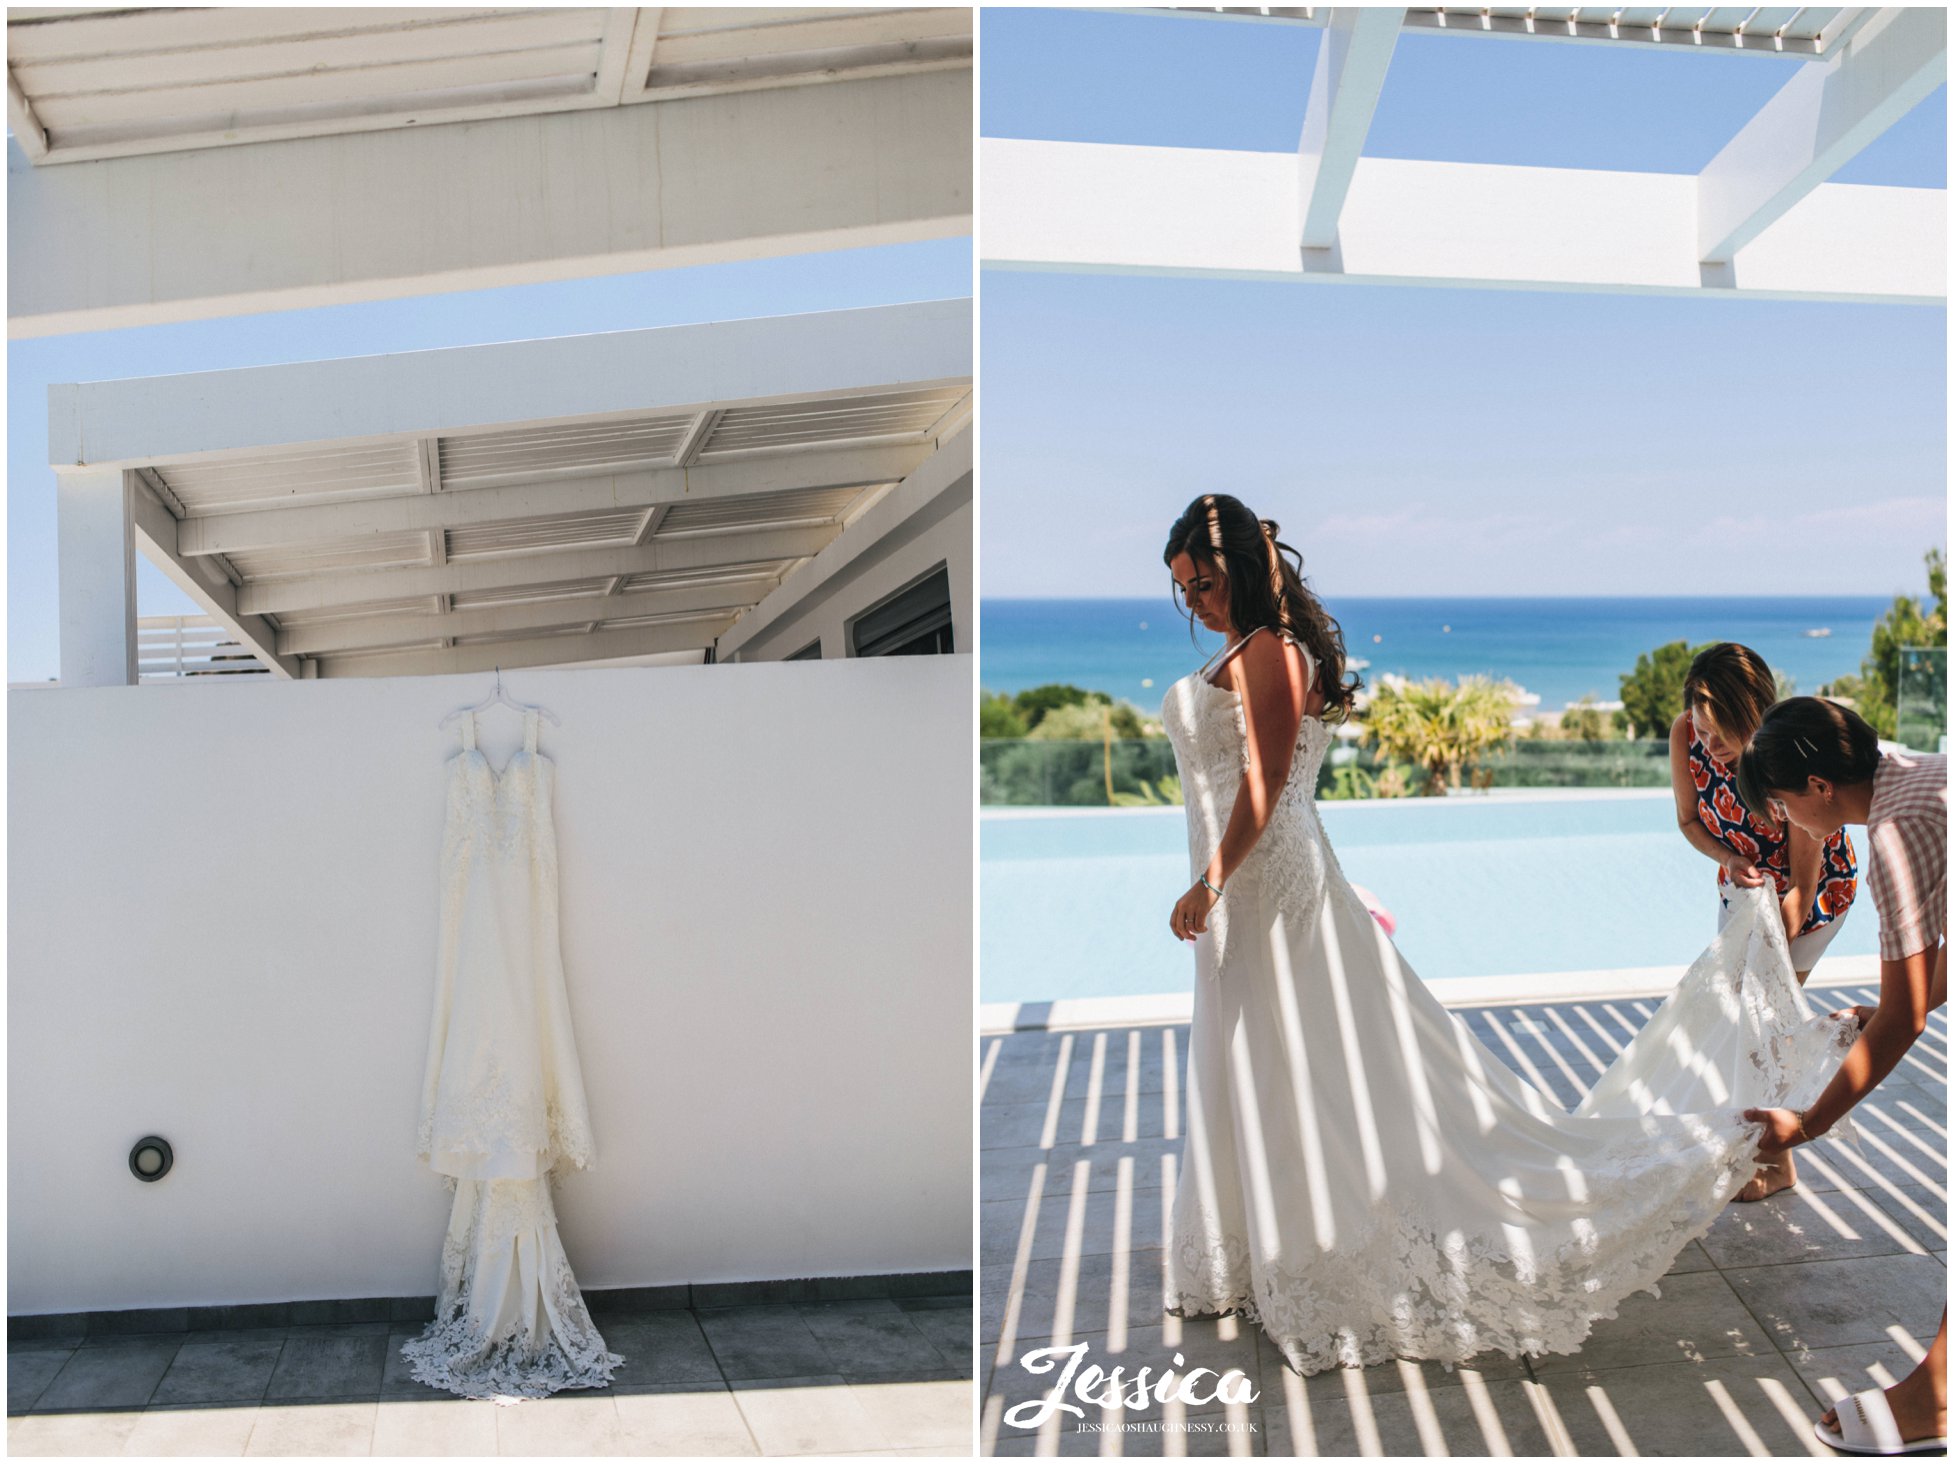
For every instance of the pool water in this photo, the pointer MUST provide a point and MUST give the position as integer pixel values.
(1076, 904)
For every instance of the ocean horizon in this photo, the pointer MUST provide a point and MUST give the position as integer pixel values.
(1560, 648)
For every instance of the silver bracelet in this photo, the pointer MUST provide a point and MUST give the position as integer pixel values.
(1216, 892)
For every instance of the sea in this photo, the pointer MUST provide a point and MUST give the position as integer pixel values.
(1559, 649)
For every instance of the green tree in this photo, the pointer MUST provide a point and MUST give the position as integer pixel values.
(1085, 721)
(1032, 705)
(998, 716)
(1875, 691)
(1652, 694)
(1587, 722)
(1442, 728)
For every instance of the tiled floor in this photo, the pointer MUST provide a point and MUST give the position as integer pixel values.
(1782, 1307)
(836, 1377)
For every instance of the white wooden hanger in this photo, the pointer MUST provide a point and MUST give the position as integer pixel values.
(502, 697)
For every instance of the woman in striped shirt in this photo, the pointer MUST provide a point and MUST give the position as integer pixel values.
(1819, 766)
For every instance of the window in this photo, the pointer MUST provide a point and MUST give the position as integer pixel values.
(915, 622)
(809, 652)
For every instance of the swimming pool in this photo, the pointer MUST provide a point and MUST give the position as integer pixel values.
(1075, 904)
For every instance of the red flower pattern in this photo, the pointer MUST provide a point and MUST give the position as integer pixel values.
(1730, 823)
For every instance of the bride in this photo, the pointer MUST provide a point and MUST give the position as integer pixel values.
(1361, 1175)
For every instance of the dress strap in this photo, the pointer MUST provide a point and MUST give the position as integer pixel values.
(468, 731)
(529, 720)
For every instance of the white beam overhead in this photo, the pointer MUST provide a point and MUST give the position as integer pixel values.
(591, 611)
(208, 415)
(1351, 62)
(230, 533)
(1821, 118)
(274, 597)
(603, 644)
(131, 241)
(1208, 213)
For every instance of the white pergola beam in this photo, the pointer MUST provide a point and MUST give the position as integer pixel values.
(1351, 60)
(273, 528)
(939, 486)
(130, 241)
(210, 415)
(336, 637)
(1114, 209)
(1826, 114)
(22, 122)
(706, 551)
(97, 577)
(598, 645)
(200, 579)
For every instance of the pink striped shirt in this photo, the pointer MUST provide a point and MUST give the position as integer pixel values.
(1906, 862)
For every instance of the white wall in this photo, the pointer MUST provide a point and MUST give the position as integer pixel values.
(222, 930)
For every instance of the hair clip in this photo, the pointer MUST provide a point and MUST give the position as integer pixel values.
(1805, 747)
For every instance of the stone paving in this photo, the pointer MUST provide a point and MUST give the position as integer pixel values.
(1783, 1306)
(831, 1377)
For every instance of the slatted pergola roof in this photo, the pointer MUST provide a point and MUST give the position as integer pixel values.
(1762, 219)
(1799, 31)
(85, 84)
(540, 502)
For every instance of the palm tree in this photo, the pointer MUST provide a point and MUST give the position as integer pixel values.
(1441, 727)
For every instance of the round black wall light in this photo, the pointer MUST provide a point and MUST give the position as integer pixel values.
(150, 1160)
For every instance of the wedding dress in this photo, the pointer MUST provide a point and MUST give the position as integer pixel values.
(502, 1103)
(1366, 1179)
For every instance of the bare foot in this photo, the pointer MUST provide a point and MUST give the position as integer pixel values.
(1915, 1412)
(1767, 1182)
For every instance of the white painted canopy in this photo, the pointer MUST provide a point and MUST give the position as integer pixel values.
(1760, 220)
(538, 502)
(110, 83)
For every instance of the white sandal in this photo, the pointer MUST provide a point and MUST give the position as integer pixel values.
(1866, 1426)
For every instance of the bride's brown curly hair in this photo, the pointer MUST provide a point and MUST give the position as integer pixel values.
(1265, 585)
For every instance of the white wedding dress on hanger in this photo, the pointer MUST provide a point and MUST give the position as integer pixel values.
(503, 1101)
(1366, 1179)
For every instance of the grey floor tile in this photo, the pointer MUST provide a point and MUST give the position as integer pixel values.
(314, 1428)
(681, 1419)
(64, 1342)
(1092, 1222)
(660, 1348)
(1343, 1419)
(328, 1368)
(28, 1374)
(219, 1372)
(1009, 1173)
(434, 1426)
(1820, 1304)
(197, 1431)
(1916, 1209)
(1697, 1316)
(948, 1330)
(763, 1342)
(121, 1376)
(807, 1415)
(1691, 1258)
(1803, 1225)
(864, 1337)
(1832, 1373)
(1726, 1406)
(1077, 1293)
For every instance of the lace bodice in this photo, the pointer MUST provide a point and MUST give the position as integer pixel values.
(1209, 732)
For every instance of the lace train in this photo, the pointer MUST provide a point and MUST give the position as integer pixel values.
(510, 1322)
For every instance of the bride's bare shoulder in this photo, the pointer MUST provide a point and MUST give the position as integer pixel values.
(1268, 661)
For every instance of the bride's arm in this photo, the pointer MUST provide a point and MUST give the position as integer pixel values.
(1271, 675)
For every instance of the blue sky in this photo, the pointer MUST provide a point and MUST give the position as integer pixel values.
(1420, 441)
(938, 269)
